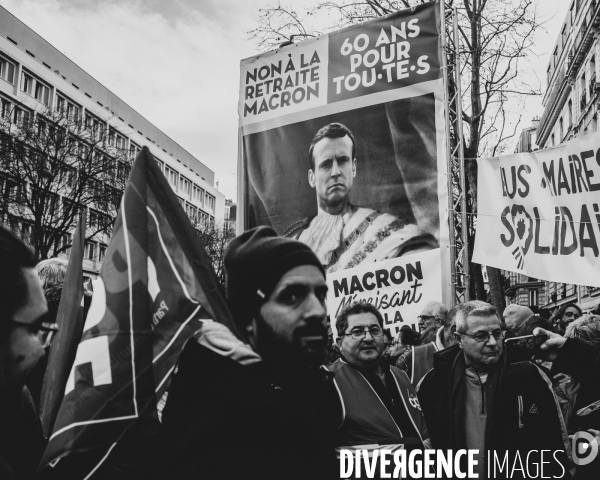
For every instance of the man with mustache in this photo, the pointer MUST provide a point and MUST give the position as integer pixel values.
(376, 403)
(474, 399)
(341, 234)
(261, 410)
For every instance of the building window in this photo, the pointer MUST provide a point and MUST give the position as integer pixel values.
(5, 108)
(35, 88)
(552, 140)
(93, 219)
(102, 253)
(191, 211)
(21, 116)
(570, 113)
(90, 251)
(133, 150)
(172, 177)
(160, 164)
(115, 139)
(198, 195)
(42, 93)
(95, 127)
(123, 171)
(26, 83)
(210, 202)
(7, 70)
(186, 187)
(533, 297)
(561, 129)
(63, 241)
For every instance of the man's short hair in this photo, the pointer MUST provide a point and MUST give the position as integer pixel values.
(474, 308)
(464, 309)
(15, 257)
(439, 311)
(357, 307)
(333, 130)
(586, 328)
(52, 272)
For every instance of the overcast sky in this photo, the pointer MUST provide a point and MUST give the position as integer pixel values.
(177, 61)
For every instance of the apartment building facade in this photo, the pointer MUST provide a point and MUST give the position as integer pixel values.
(34, 75)
(571, 102)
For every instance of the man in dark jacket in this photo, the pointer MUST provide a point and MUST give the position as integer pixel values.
(377, 404)
(239, 412)
(473, 399)
(23, 335)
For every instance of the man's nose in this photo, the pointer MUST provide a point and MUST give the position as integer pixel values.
(492, 341)
(368, 336)
(315, 309)
(335, 169)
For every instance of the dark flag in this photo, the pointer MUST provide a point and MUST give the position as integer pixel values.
(70, 322)
(155, 288)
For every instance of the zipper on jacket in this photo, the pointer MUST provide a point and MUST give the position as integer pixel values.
(482, 387)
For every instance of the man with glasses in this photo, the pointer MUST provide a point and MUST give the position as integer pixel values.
(473, 399)
(418, 360)
(377, 403)
(23, 336)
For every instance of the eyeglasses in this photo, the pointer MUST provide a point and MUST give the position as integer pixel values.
(425, 317)
(44, 331)
(360, 334)
(482, 337)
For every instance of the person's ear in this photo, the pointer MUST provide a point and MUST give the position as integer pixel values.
(353, 167)
(311, 178)
(338, 342)
(458, 338)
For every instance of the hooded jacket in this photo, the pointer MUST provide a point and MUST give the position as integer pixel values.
(230, 415)
(523, 414)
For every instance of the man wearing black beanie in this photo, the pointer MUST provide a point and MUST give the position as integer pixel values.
(260, 411)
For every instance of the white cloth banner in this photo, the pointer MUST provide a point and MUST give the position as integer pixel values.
(399, 288)
(539, 213)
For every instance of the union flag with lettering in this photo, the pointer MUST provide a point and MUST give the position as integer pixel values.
(155, 288)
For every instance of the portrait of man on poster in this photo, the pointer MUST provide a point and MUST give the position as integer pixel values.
(344, 235)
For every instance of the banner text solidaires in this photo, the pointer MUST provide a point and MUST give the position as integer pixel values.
(539, 213)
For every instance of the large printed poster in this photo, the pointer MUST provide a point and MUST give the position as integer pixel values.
(342, 146)
(539, 213)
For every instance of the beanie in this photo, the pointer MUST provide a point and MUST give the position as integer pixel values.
(254, 262)
(516, 315)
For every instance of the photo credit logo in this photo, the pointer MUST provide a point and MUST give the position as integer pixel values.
(585, 448)
(384, 463)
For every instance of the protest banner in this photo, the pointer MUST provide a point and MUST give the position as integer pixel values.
(155, 287)
(383, 193)
(539, 214)
(399, 288)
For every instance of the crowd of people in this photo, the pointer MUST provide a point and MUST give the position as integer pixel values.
(280, 405)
